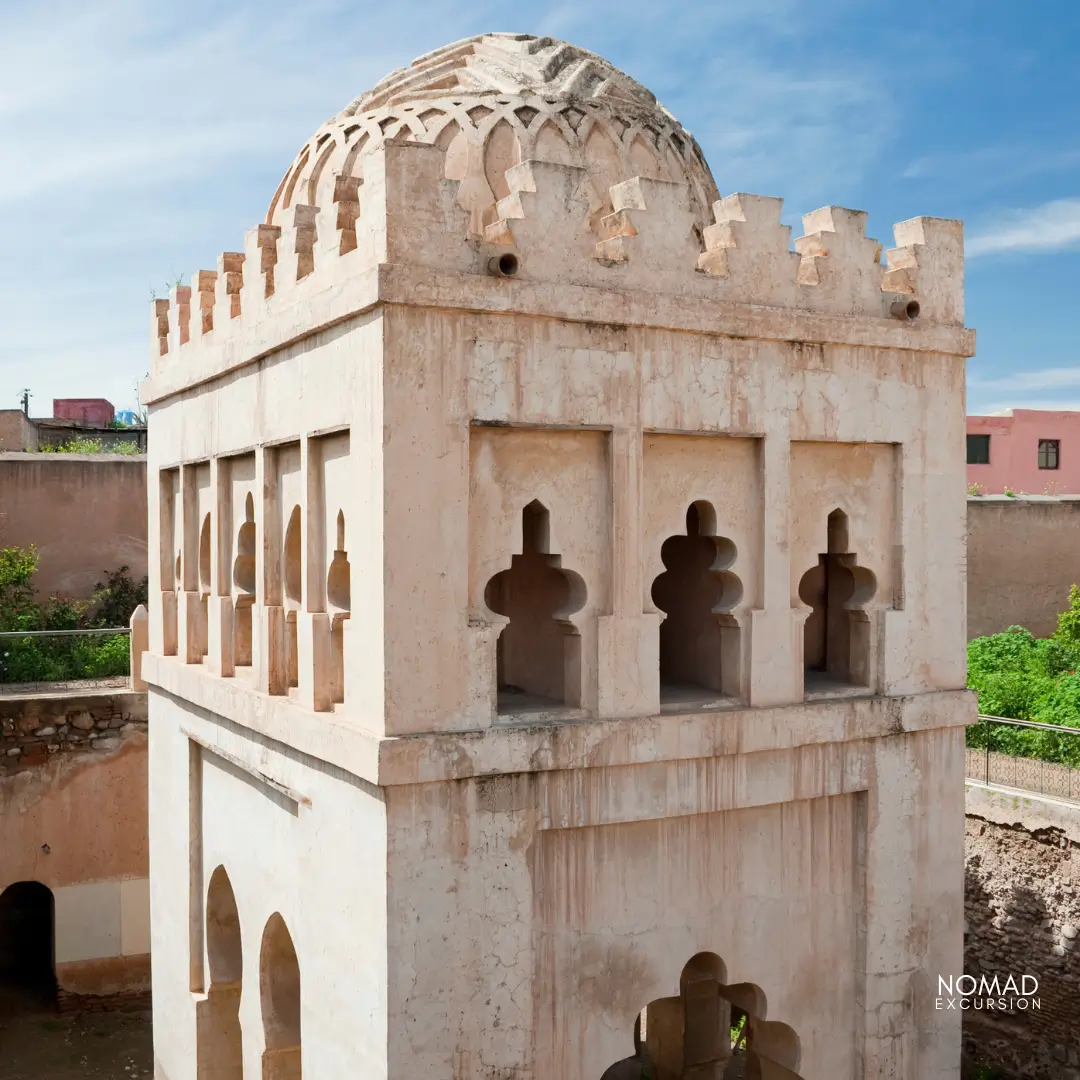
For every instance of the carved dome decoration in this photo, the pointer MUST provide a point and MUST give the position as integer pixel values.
(491, 102)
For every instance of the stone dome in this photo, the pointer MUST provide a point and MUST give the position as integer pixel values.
(492, 101)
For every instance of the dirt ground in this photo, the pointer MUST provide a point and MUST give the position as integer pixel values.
(109, 1046)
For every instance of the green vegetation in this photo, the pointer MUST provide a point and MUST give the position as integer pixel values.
(1024, 677)
(49, 659)
(92, 446)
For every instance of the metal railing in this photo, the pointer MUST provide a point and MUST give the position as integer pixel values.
(42, 657)
(1029, 766)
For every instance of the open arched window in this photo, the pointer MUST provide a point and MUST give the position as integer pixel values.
(836, 634)
(699, 637)
(538, 654)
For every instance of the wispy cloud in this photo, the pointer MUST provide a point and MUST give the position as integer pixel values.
(1029, 381)
(1049, 227)
(142, 139)
(1053, 389)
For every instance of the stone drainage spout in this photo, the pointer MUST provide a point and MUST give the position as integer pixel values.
(505, 265)
(906, 309)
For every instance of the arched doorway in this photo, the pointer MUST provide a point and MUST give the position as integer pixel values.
(27, 971)
(279, 988)
(219, 1051)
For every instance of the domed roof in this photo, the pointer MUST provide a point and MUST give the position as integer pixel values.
(497, 99)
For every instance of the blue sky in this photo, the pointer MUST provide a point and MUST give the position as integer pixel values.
(137, 141)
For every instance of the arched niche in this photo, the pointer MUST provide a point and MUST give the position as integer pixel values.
(837, 631)
(244, 585)
(538, 653)
(700, 637)
(292, 578)
(205, 586)
(219, 1038)
(279, 993)
(338, 598)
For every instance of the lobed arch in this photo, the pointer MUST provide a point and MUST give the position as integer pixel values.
(836, 594)
(710, 1027)
(538, 652)
(697, 590)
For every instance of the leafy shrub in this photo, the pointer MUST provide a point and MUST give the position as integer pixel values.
(50, 659)
(1026, 678)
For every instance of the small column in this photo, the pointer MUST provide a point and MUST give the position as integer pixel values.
(775, 668)
(138, 643)
(189, 602)
(162, 572)
(628, 646)
(268, 616)
(314, 688)
(219, 608)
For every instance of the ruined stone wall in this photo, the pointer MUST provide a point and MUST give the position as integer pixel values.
(1022, 905)
(35, 727)
(1022, 557)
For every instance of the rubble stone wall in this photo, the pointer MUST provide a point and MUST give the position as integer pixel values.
(1022, 907)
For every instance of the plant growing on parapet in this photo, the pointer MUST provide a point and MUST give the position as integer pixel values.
(169, 286)
(976, 489)
(1011, 494)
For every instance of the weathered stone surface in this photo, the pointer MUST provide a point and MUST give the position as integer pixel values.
(572, 612)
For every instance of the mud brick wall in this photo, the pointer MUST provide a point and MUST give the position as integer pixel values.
(33, 729)
(1022, 902)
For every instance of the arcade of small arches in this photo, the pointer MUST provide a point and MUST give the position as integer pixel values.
(538, 651)
(287, 586)
(220, 1034)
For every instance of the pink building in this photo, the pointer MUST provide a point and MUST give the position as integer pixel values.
(1029, 451)
(95, 411)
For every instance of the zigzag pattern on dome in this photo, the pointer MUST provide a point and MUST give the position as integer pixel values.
(496, 100)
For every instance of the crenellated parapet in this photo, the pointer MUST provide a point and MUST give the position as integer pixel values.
(578, 174)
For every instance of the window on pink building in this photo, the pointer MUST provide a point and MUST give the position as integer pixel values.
(1049, 453)
(978, 449)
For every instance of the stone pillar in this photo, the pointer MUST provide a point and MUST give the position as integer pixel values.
(219, 630)
(138, 643)
(313, 623)
(189, 603)
(774, 670)
(628, 647)
(268, 614)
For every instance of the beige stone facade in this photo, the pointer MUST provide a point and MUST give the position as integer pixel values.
(557, 609)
